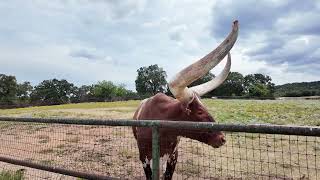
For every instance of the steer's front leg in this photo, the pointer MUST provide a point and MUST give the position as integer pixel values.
(171, 165)
(147, 168)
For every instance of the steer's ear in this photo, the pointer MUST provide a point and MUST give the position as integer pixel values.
(186, 105)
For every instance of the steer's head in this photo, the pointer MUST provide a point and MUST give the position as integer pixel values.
(193, 109)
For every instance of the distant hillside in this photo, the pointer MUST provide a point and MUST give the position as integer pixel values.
(298, 89)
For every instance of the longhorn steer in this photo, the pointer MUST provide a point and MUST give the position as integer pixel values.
(187, 106)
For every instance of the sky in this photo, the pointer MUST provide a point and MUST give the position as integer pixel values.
(86, 41)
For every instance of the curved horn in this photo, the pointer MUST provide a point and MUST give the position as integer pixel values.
(204, 88)
(178, 85)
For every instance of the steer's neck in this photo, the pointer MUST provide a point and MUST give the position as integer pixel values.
(177, 113)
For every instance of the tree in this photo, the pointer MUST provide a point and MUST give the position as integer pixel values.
(298, 89)
(123, 94)
(130, 95)
(259, 90)
(104, 90)
(23, 92)
(82, 94)
(151, 80)
(8, 89)
(51, 92)
(232, 86)
(108, 91)
(209, 76)
(259, 82)
(121, 91)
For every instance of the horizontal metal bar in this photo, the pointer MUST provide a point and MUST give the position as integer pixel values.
(55, 169)
(251, 128)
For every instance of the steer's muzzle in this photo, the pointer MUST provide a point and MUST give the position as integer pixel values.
(217, 139)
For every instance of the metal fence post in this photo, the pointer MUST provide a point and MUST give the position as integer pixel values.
(155, 153)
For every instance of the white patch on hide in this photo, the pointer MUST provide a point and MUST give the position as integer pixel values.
(163, 163)
(147, 162)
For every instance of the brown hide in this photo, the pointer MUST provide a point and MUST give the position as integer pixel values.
(162, 107)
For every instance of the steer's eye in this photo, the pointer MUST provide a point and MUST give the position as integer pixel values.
(199, 113)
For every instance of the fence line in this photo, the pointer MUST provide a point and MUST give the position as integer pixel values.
(250, 128)
(155, 125)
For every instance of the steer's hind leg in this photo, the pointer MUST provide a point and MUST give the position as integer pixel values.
(171, 165)
(147, 168)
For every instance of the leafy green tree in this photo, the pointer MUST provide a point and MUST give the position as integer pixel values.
(259, 90)
(23, 92)
(123, 94)
(299, 89)
(104, 90)
(130, 95)
(108, 91)
(8, 89)
(51, 92)
(82, 94)
(151, 80)
(256, 82)
(121, 91)
(232, 86)
(209, 76)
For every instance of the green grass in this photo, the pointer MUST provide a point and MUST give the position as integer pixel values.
(11, 175)
(298, 112)
(71, 106)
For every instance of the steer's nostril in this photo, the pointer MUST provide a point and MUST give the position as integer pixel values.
(223, 140)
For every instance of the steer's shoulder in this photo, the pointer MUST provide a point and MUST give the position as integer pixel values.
(164, 104)
(161, 100)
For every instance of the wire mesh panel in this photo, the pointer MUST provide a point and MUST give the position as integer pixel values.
(112, 151)
(251, 156)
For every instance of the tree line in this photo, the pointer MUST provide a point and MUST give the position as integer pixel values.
(54, 91)
(152, 79)
(299, 89)
(149, 81)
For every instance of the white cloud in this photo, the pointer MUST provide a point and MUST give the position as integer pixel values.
(86, 41)
(302, 22)
(279, 73)
(55, 62)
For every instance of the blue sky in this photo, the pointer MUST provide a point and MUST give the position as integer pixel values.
(86, 41)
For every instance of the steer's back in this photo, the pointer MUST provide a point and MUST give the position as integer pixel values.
(156, 107)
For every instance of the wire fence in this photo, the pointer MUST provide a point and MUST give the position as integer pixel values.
(103, 149)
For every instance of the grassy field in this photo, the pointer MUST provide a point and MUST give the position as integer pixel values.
(113, 151)
(298, 112)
